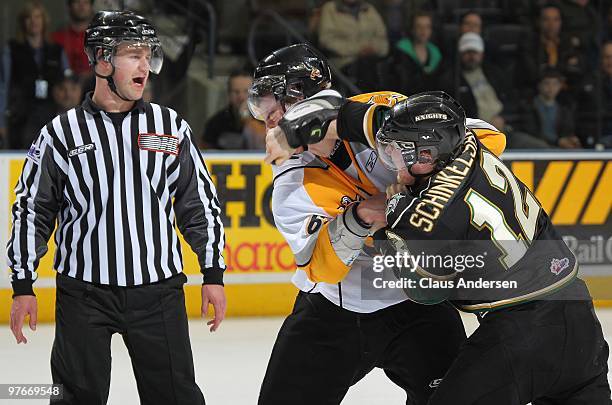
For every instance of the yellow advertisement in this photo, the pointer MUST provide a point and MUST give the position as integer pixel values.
(259, 261)
(573, 189)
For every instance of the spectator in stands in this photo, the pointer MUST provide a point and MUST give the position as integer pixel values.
(484, 92)
(547, 118)
(480, 88)
(72, 36)
(395, 14)
(233, 127)
(30, 68)
(66, 93)
(581, 23)
(414, 64)
(550, 49)
(471, 22)
(595, 103)
(355, 36)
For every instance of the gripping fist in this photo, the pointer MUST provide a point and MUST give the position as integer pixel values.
(306, 122)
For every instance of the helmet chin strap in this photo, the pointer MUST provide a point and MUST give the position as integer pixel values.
(111, 83)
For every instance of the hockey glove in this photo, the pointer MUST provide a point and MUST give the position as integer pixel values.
(307, 122)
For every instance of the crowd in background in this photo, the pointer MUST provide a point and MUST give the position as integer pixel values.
(541, 71)
(44, 73)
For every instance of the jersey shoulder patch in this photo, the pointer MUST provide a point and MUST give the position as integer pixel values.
(387, 98)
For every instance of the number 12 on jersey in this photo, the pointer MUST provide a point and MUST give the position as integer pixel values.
(485, 213)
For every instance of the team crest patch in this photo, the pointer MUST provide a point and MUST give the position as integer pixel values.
(393, 201)
(386, 99)
(34, 154)
(159, 143)
(315, 74)
(345, 201)
(558, 265)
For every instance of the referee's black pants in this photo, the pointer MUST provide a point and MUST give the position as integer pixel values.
(322, 350)
(153, 322)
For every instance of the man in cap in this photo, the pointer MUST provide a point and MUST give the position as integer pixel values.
(480, 87)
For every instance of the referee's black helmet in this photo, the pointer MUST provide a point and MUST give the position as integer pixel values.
(110, 28)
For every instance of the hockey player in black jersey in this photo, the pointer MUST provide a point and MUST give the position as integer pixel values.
(539, 339)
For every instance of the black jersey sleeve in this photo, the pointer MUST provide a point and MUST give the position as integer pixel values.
(416, 230)
(359, 122)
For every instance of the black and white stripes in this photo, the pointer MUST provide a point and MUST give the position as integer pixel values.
(118, 184)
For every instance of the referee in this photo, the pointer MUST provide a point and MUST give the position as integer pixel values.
(118, 174)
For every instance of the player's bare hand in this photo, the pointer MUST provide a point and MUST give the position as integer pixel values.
(23, 305)
(404, 177)
(277, 148)
(395, 189)
(215, 295)
(372, 210)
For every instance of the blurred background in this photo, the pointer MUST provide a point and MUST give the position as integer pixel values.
(539, 70)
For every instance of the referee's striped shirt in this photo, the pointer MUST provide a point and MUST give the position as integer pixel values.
(117, 184)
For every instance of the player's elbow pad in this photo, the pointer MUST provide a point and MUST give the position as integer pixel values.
(307, 122)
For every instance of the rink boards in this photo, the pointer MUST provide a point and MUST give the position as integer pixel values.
(574, 188)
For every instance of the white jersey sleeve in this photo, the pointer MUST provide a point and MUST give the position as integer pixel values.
(318, 222)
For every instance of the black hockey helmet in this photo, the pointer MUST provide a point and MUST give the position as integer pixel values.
(290, 74)
(431, 122)
(110, 28)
